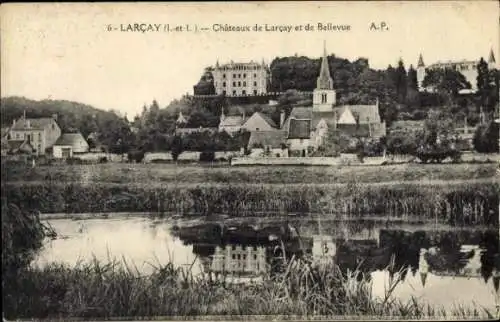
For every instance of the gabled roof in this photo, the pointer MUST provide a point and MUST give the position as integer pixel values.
(236, 120)
(347, 117)
(266, 118)
(34, 123)
(299, 129)
(267, 138)
(366, 113)
(420, 61)
(70, 139)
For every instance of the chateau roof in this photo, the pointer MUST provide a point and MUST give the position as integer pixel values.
(420, 61)
(70, 139)
(491, 59)
(267, 138)
(34, 123)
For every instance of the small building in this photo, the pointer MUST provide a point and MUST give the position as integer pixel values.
(259, 122)
(68, 144)
(233, 123)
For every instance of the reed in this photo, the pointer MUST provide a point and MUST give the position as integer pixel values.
(455, 203)
(111, 290)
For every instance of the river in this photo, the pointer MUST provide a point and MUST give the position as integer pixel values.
(443, 265)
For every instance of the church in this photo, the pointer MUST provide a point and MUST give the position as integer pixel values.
(307, 127)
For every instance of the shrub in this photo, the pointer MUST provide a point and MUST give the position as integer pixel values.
(207, 156)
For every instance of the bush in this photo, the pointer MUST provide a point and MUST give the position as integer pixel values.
(136, 156)
(207, 156)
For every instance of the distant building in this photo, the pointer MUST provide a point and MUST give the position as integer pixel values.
(41, 133)
(241, 79)
(271, 143)
(68, 144)
(468, 68)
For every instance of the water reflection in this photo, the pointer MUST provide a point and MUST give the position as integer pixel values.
(435, 263)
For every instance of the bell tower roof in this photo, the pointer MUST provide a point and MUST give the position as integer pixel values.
(324, 81)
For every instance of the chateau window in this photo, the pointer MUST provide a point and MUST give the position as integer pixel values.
(234, 92)
(234, 75)
(244, 92)
(254, 92)
(224, 92)
(224, 76)
(244, 75)
(239, 75)
(234, 83)
(255, 75)
(223, 84)
(244, 83)
(239, 83)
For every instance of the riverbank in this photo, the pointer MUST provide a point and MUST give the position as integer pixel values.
(110, 291)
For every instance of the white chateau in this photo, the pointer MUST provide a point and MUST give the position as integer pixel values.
(468, 68)
(241, 79)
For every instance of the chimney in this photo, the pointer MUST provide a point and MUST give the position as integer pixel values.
(54, 116)
(27, 124)
(13, 122)
(282, 118)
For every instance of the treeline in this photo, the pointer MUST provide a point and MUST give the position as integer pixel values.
(396, 87)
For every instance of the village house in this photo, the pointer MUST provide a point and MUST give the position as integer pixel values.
(70, 144)
(268, 143)
(41, 133)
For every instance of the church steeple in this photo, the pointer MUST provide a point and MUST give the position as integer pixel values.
(324, 81)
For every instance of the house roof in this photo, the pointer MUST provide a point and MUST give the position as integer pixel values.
(366, 113)
(301, 113)
(267, 138)
(34, 123)
(70, 139)
(267, 119)
(236, 120)
(299, 129)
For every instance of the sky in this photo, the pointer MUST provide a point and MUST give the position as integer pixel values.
(65, 51)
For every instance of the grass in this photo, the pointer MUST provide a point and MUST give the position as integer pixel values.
(170, 174)
(113, 290)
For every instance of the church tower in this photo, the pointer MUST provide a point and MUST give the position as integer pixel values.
(324, 95)
(420, 71)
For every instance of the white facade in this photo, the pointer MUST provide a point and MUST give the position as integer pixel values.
(240, 79)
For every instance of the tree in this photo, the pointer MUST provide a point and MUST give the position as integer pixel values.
(486, 138)
(176, 147)
(447, 82)
(401, 81)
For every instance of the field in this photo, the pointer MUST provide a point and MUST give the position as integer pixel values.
(189, 174)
